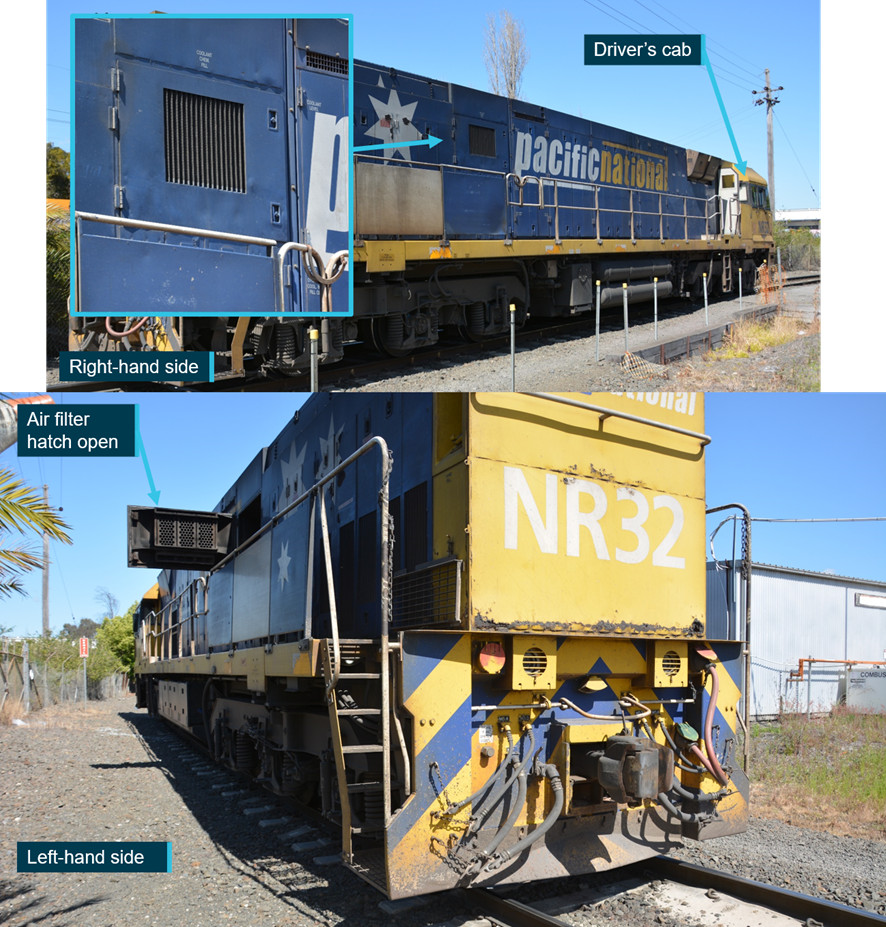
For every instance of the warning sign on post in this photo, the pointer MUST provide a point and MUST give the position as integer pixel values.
(84, 647)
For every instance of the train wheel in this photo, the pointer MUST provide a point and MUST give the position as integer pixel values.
(386, 334)
(467, 335)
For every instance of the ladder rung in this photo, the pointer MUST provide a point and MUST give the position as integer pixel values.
(359, 675)
(361, 829)
(359, 711)
(363, 748)
(365, 786)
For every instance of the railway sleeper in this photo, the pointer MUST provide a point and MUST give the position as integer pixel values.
(281, 741)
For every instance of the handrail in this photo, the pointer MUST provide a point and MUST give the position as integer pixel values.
(325, 276)
(175, 229)
(155, 615)
(376, 440)
(586, 186)
(607, 413)
(597, 209)
(746, 555)
(333, 612)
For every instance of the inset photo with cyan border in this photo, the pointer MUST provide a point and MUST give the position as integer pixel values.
(210, 177)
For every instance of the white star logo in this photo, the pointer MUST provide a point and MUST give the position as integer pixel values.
(291, 473)
(329, 449)
(283, 563)
(395, 124)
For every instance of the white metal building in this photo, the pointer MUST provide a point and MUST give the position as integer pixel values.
(797, 614)
(800, 219)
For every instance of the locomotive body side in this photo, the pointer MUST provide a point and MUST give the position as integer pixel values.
(525, 205)
(228, 138)
(485, 660)
(518, 205)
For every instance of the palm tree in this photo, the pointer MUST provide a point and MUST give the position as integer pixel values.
(21, 510)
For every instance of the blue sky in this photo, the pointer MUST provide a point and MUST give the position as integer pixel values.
(783, 456)
(675, 104)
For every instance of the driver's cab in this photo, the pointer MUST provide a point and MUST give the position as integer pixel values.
(756, 213)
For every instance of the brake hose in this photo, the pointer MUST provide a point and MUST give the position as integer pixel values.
(684, 816)
(697, 796)
(677, 786)
(552, 773)
(677, 754)
(117, 336)
(454, 809)
(478, 819)
(505, 829)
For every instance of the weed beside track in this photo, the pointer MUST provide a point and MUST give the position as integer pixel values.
(827, 772)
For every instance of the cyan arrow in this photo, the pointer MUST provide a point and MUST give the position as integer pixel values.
(430, 141)
(154, 493)
(741, 166)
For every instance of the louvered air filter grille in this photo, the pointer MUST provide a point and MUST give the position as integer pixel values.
(205, 141)
(326, 62)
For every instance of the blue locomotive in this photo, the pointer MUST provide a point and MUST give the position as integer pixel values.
(211, 178)
(528, 206)
(240, 127)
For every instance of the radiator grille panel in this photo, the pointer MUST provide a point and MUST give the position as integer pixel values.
(326, 62)
(481, 141)
(429, 596)
(205, 141)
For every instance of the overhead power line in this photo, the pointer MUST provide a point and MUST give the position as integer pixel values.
(811, 187)
(877, 518)
(867, 518)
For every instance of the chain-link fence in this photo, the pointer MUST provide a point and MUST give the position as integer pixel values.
(58, 273)
(29, 686)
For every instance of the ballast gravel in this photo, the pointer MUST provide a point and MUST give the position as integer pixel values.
(568, 361)
(111, 773)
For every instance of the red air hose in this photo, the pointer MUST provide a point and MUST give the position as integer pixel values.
(713, 763)
(129, 331)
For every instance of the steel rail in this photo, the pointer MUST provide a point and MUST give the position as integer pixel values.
(508, 911)
(793, 904)
(781, 899)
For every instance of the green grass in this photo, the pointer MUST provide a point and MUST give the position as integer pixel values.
(827, 771)
(807, 379)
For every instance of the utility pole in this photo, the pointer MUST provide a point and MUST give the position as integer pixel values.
(46, 569)
(770, 101)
